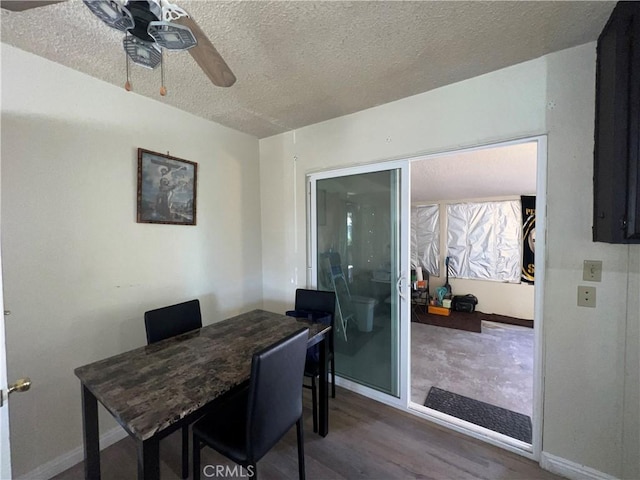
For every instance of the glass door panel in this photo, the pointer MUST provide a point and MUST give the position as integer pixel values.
(357, 235)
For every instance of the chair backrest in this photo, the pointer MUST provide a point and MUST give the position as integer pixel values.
(173, 320)
(316, 300)
(275, 392)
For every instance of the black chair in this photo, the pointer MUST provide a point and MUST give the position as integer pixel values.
(317, 305)
(246, 426)
(167, 322)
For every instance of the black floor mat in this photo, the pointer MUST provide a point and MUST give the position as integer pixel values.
(515, 425)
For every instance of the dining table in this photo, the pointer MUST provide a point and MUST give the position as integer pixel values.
(154, 390)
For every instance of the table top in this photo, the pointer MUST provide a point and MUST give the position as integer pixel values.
(151, 388)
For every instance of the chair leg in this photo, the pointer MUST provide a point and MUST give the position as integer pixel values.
(185, 451)
(300, 435)
(314, 403)
(196, 458)
(333, 377)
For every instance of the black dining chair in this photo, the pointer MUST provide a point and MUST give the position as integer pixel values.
(167, 322)
(246, 426)
(317, 305)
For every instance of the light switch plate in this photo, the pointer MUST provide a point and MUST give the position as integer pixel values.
(592, 271)
(586, 296)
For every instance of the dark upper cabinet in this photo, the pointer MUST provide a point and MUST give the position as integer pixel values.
(616, 180)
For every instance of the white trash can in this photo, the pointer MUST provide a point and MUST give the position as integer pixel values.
(363, 307)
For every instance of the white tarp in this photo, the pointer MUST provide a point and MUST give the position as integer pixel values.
(484, 240)
(425, 238)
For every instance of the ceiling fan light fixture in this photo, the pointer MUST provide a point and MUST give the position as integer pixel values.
(142, 53)
(111, 13)
(171, 35)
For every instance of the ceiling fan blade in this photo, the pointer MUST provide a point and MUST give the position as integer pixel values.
(22, 5)
(206, 55)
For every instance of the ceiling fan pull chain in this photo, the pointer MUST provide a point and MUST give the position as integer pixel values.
(163, 89)
(127, 84)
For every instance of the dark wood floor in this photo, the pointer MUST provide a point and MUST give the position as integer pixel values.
(367, 440)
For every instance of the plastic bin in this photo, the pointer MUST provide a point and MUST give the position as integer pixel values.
(363, 307)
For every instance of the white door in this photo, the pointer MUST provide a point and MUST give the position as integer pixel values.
(5, 451)
(358, 247)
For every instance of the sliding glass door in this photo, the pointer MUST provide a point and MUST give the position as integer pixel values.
(356, 252)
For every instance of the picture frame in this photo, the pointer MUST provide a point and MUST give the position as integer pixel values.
(167, 189)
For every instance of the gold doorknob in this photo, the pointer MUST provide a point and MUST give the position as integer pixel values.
(22, 385)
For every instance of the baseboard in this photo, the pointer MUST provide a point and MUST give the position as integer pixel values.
(571, 470)
(71, 458)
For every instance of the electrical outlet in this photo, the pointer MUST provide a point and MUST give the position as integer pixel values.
(592, 271)
(586, 296)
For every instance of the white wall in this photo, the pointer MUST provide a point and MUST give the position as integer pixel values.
(510, 299)
(79, 271)
(591, 366)
(590, 371)
(631, 411)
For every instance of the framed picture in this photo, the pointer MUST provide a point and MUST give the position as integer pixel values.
(166, 189)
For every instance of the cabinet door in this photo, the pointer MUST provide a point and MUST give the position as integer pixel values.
(616, 177)
(633, 200)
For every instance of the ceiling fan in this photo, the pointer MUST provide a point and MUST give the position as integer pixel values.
(150, 26)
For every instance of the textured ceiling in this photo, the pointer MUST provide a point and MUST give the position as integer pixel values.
(491, 172)
(299, 63)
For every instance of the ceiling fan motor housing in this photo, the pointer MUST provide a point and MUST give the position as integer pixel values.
(143, 13)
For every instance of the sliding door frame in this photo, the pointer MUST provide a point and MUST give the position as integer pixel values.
(532, 451)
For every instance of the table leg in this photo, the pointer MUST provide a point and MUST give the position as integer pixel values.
(90, 437)
(323, 390)
(149, 459)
